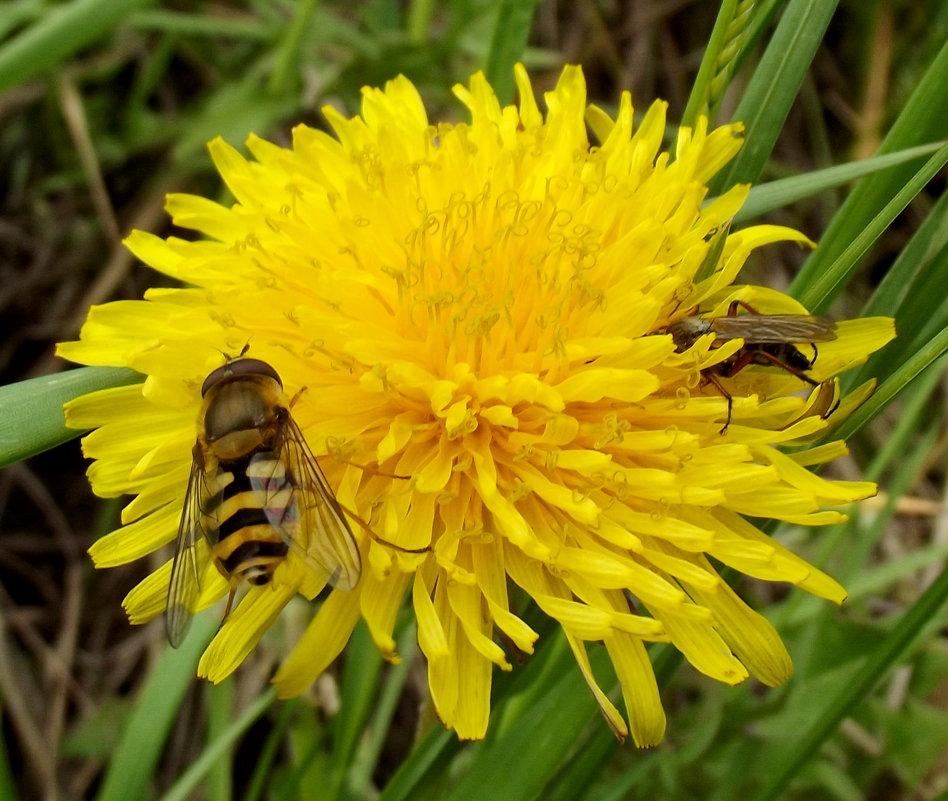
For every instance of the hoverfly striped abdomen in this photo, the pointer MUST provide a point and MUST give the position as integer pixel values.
(256, 495)
(248, 545)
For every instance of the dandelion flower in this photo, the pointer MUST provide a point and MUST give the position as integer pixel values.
(477, 312)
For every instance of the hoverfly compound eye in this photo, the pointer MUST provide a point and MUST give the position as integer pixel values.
(254, 367)
(240, 367)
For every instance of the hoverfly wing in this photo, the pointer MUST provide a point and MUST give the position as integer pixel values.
(191, 554)
(774, 328)
(302, 508)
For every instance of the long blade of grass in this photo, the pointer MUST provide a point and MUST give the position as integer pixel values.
(777, 194)
(822, 289)
(220, 710)
(59, 33)
(359, 687)
(893, 385)
(267, 756)
(911, 291)
(509, 40)
(366, 757)
(31, 411)
(895, 645)
(774, 86)
(430, 757)
(142, 740)
(700, 100)
(923, 119)
(549, 718)
(7, 784)
(183, 23)
(288, 52)
(217, 748)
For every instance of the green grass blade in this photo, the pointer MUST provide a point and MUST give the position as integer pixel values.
(31, 411)
(59, 33)
(182, 23)
(217, 748)
(778, 194)
(720, 60)
(893, 385)
(366, 758)
(577, 775)
(507, 44)
(359, 687)
(287, 62)
(913, 291)
(550, 715)
(923, 119)
(220, 709)
(268, 753)
(140, 745)
(7, 783)
(774, 86)
(822, 289)
(930, 239)
(420, 14)
(895, 645)
(430, 757)
(699, 101)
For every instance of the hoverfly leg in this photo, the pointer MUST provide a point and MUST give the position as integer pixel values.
(367, 468)
(230, 604)
(375, 537)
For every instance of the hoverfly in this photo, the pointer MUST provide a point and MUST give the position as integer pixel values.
(768, 340)
(255, 493)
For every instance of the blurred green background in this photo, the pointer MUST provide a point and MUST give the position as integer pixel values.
(105, 107)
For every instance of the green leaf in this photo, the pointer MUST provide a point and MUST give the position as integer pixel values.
(818, 293)
(923, 119)
(904, 374)
(916, 736)
(32, 411)
(774, 86)
(7, 784)
(720, 60)
(359, 688)
(913, 292)
(551, 714)
(59, 33)
(777, 194)
(511, 31)
(130, 770)
(217, 748)
(835, 707)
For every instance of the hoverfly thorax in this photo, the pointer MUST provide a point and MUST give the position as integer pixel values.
(244, 410)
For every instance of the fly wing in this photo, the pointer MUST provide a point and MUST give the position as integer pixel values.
(191, 554)
(775, 328)
(301, 506)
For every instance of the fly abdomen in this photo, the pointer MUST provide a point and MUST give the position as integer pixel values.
(252, 557)
(244, 517)
(248, 547)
